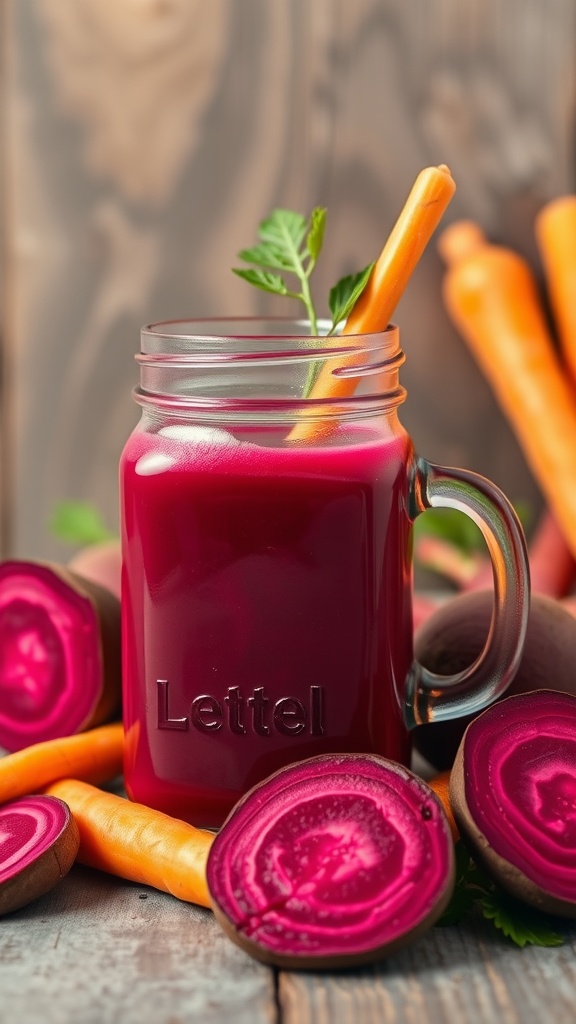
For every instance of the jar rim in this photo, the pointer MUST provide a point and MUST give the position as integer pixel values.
(265, 366)
(257, 328)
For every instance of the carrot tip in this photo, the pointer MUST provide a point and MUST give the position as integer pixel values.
(459, 240)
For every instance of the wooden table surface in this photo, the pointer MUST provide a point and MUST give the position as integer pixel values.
(97, 950)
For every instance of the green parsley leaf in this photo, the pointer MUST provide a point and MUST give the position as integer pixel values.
(78, 522)
(522, 924)
(344, 294)
(264, 280)
(315, 238)
(290, 243)
(284, 229)
(265, 255)
(474, 889)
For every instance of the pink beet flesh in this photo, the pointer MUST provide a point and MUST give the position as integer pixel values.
(50, 656)
(520, 786)
(29, 827)
(337, 855)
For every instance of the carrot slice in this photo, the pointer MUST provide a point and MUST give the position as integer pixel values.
(136, 842)
(95, 755)
(420, 216)
(556, 236)
(493, 300)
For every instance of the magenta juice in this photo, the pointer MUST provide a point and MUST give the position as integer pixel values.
(266, 607)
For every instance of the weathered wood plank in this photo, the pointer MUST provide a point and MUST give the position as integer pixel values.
(99, 950)
(459, 974)
(143, 142)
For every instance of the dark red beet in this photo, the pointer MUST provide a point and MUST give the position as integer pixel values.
(60, 669)
(453, 636)
(334, 861)
(39, 843)
(513, 792)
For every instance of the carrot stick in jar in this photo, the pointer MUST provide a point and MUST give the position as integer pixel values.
(420, 216)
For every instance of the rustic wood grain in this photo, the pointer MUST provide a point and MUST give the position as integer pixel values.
(143, 142)
(98, 950)
(464, 974)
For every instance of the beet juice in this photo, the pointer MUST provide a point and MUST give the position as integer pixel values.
(265, 584)
(266, 592)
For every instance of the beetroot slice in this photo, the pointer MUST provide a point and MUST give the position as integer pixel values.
(60, 666)
(333, 861)
(513, 792)
(39, 840)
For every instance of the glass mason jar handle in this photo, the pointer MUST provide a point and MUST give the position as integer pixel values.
(431, 697)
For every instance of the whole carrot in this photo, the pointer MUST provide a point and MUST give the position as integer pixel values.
(492, 298)
(95, 755)
(421, 214)
(135, 842)
(556, 236)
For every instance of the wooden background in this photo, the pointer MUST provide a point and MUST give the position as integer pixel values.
(144, 139)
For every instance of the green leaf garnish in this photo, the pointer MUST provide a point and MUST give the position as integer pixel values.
(315, 238)
(289, 243)
(522, 924)
(474, 890)
(285, 229)
(344, 294)
(263, 279)
(78, 522)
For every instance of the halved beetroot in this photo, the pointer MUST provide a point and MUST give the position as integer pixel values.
(333, 861)
(39, 841)
(513, 792)
(60, 669)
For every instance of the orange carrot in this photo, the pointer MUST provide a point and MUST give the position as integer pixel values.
(440, 784)
(493, 300)
(556, 236)
(135, 842)
(95, 755)
(426, 203)
(460, 239)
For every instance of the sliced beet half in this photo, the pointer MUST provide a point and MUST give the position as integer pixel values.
(513, 792)
(39, 841)
(60, 666)
(334, 861)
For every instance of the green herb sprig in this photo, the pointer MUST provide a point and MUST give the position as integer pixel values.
(475, 891)
(289, 243)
